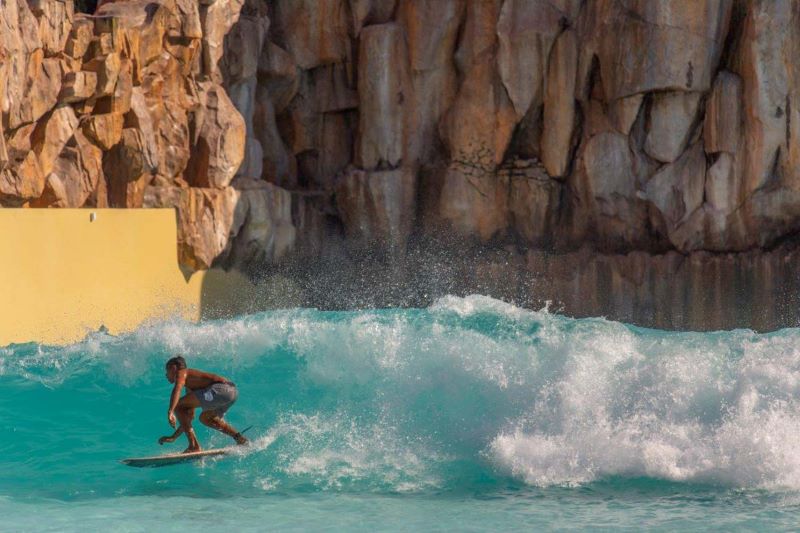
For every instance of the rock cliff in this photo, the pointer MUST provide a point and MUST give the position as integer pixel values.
(308, 129)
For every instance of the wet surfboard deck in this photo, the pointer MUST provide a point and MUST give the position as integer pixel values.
(176, 458)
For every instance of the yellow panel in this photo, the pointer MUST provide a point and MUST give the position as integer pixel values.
(66, 272)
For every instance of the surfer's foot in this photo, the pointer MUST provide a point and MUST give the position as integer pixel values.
(240, 440)
(191, 449)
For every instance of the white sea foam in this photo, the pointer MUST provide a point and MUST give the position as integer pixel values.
(334, 451)
(715, 408)
(394, 398)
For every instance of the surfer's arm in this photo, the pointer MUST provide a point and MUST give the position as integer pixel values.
(171, 438)
(180, 381)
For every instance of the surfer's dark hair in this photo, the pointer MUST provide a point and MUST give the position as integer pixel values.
(178, 361)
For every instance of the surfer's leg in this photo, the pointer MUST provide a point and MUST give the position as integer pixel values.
(184, 411)
(214, 421)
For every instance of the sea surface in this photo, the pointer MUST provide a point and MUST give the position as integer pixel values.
(470, 415)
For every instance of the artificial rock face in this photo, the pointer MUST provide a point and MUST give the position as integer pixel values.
(99, 111)
(628, 125)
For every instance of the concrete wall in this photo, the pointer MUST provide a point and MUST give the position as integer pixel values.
(66, 272)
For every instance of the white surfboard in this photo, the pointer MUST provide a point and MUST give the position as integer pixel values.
(177, 458)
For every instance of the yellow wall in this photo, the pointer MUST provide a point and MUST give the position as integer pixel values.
(63, 275)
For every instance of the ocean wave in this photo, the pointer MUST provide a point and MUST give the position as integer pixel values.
(468, 390)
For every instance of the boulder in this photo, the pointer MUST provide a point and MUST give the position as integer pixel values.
(278, 75)
(314, 32)
(368, 12)
(606, 208)
(278, 165)
(51, 135)
(167, 155)
(79, 38)
(127, 170)
(23, 179)
(526, 31)
(219, 147)
(383, 90)
(19, 30)
(478, 127)
(34, 91)
(608, 165)
(76, 175)
(266, 233)
(104, 130)
(217, 18)
(723, 118)
(678, 44)
(188, 12)
(247, 38)
(207, 219)
(764, 61)
(55, 23)
(672, 117)
(622, 112)
(559, 105)
(722, 188)
(431, 28)
(119, 101)
(106, 69)
(677, 189)
(77, 86)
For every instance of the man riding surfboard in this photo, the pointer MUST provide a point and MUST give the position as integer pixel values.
(214, 394)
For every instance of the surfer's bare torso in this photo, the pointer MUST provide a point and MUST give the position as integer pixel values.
(197, 379)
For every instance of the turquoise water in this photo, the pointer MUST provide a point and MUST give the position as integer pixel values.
(472, 414)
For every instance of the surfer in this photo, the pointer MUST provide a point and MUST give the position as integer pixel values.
(213, 393)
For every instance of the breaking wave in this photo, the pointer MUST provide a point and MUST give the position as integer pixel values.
(471, 393)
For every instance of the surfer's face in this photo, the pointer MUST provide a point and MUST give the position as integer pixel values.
(171, 373)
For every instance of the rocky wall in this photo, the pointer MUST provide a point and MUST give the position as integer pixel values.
(125, 108)
(656, 126)
(310, 128)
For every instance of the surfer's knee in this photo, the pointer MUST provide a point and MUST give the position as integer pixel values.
(208, 418)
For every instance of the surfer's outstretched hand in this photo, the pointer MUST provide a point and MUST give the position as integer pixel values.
(170, 438)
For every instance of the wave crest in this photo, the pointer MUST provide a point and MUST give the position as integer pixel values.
(469, 389)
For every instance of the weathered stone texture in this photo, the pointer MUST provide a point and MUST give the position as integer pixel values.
(431, 29)
(672, 116)
(382, 92)
(219, 147)
(645, 46)
(314, 32)
(206, 220)
(526, 30)
(559, 104)
(612, 125)
(723, 119)
(377, 207)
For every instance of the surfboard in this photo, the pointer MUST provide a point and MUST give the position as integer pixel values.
(176, 458)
